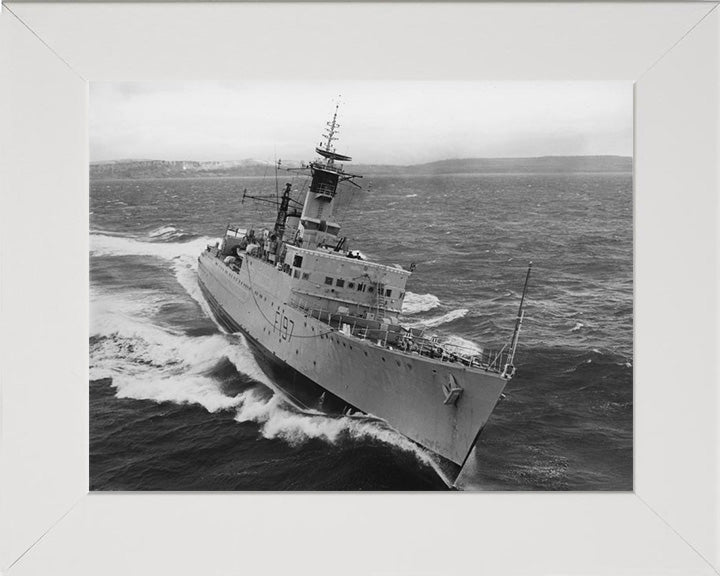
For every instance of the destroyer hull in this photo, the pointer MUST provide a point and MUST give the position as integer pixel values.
(407, 390)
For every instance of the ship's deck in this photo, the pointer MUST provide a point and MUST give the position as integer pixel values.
(407, 340)
(391, 336)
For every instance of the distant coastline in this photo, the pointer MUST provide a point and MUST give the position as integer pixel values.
(142, 169)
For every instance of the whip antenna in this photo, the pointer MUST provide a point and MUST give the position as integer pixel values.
(509, 367)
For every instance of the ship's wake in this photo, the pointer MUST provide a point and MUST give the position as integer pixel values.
(278, 420)
(181, 255)
(149, 359)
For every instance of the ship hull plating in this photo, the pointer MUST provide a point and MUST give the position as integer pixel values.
(406, 390)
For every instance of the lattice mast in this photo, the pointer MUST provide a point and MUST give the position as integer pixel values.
(330, 134)
(317, 221)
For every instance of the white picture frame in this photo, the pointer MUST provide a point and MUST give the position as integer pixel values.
(50, 524)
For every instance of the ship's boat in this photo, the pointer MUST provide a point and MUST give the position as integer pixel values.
(314, 308)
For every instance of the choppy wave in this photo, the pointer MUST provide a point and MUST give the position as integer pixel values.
(461, 345)
(132, 350)
(148, 361)
(167, 233)
(109, 245)
(435, 321)
(416, 303)
(277, 420)
(585, 276)
(182, 256)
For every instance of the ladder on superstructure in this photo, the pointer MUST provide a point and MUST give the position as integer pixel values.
(380, 301)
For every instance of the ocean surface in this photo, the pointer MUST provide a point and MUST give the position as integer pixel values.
(178, 404)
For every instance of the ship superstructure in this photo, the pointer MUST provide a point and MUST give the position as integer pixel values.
(309, 302)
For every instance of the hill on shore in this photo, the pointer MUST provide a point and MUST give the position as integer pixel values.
(139, 169)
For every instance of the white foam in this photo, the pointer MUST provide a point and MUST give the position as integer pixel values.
(107, 245)
(182, 255)
(140, 355)
(147, 361)
(578, 326)
(415, 303)
(188, 390)
(278, 420)
(438, 320)
(166, 367)
(163, 231)
(186, 275)
(460, 345)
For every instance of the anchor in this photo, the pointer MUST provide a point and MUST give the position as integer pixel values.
(452, 391)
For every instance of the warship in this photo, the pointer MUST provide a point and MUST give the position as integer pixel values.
(329, 319)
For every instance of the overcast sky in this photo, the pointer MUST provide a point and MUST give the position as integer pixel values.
(390, 123)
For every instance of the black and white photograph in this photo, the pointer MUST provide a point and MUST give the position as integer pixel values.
(377, 286)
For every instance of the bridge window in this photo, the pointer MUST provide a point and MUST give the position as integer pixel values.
(351, 284)
(297, 261)
(340, 283)
(296, 274)
(306, 275)
(388, 292)
(371, 289)
(361, 288)
(328, 280)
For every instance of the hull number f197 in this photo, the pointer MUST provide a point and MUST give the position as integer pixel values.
(283, 325)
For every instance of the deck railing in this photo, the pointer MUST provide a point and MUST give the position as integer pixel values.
(408, 340)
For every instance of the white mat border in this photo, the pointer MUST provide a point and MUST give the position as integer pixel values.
(49, 521)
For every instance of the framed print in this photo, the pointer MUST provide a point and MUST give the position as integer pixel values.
(80, 90)
(389, 336)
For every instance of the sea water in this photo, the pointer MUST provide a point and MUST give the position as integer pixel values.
(176, 403)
